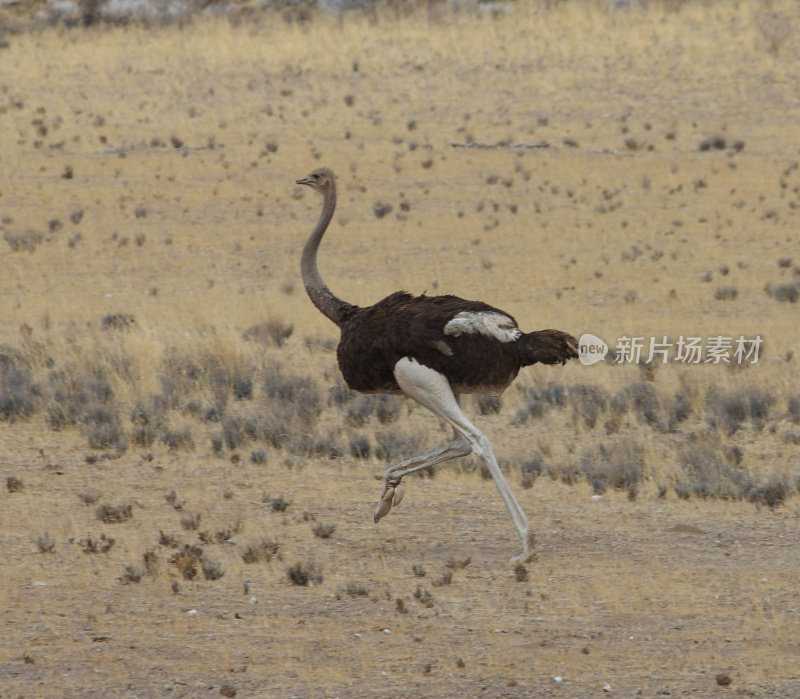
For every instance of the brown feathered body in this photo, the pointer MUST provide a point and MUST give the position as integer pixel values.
(374, 339)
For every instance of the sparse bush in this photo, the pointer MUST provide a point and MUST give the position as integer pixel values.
(187, 560)
(773, 493)
(731, 410)
(710, 472)
(191, 521)
(110, 514)
(278, 504)
(262, 551)
(27, 240)
(488, 405)
(271, 332)
(537, 400)
(258, 456)
(176, 439)
(424, 597)
(292, 396)
(618, 465)
(14, 484)
(324, 531)
(145, 425)
(357, 589)
(793, 405)
(677, 411)
(131, 574)
(531, 469)
(641, 398)
(302, 574)
(339, 394)
(117, 321)
(103, 544)
(212, 570)
(588, 402)
(393, 446)
(726, 293)
(45, 544)
(385, 408)
(19, 394)
(359, 447)
(783, 292)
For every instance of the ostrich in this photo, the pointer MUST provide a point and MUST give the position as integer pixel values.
(432, 349)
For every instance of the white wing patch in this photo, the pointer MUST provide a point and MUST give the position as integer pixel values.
(488, 323)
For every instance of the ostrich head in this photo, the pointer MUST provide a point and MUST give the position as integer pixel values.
(320, 180)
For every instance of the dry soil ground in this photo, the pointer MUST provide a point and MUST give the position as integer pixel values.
(147, 178)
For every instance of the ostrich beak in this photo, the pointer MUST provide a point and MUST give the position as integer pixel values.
(303, 180)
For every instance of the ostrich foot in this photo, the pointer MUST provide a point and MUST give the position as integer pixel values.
(528, 550)
(392, 496)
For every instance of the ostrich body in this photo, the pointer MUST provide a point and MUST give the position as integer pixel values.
(432, 349)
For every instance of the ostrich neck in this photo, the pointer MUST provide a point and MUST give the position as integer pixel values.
(319, 293)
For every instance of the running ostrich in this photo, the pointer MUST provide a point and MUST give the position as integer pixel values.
(432, 349)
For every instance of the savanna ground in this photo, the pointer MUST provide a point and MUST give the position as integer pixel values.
(189, 487)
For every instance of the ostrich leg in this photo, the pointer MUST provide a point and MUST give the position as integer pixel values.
(432, 390)
(392, 492)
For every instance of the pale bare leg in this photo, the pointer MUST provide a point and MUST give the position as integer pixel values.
(432, 390)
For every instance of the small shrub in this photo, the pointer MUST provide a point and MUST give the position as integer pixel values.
(261, 552)
(14, 484)
(101, 545)
(278, 504)
(187, 560)
(424, 597)
(677, 411)
(190, 521)
(176, 439)
(726, 293)
(773, 493)
(258, 456)
(710, 472)
(588, 402)
(117, 321)
(45, 544)
(324, 531)
(302, 574)
(618, 465)
(783, 292)
(131, 574)
(19, 394)
(212, 570)
(359, 447)
(357, 589)
(531, 469)
(793, 405)
(537, 400)
(167, 540)
(27, 241)
(271, 332)
(641, 398)
(391, 446)
(110, 514)
(488, 405)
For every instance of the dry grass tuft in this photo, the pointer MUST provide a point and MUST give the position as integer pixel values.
(304, 574)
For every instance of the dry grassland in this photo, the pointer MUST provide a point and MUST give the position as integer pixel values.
(189, 487)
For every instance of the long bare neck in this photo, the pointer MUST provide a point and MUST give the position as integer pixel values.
(319, 293)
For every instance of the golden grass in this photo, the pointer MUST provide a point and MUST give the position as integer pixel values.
(200, 242)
